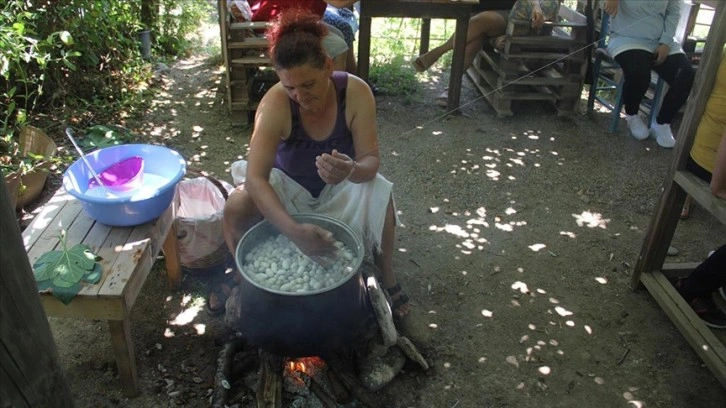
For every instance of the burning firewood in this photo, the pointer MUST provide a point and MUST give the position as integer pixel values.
(269, 387)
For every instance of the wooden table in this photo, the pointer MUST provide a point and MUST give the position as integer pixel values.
(460, 10)
(128, 254)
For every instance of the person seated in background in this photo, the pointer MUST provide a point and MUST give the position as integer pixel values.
(334, 42)
(339, 15)
(698, 287)
(707, 158)
(314, 149)
(490, 26)
(642, 38)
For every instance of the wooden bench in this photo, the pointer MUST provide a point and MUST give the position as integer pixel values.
(128, 253)
(547, 67)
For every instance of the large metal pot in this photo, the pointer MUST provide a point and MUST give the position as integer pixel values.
(303, 324)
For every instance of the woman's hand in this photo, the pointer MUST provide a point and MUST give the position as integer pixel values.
(611, 7)
(334, 168)
(661, 53)
(537, 17)
(317, 243)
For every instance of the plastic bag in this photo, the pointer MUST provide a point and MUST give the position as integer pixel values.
(199, 223)
(239, 10)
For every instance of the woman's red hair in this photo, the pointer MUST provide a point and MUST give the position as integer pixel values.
(296, 39)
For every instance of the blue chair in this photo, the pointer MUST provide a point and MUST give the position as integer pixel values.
(607, 76)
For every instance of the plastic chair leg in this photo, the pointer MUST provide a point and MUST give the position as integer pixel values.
(594, 85)
(657, 101)
(615, 114)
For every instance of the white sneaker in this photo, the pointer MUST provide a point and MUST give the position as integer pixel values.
(663, 135)
(636, 126)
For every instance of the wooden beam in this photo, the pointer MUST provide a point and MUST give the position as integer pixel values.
(698, 335)
(30, 372)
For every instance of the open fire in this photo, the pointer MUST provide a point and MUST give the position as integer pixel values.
(337, 378)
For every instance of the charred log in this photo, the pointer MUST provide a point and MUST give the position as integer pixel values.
(350, 382)
(269, 387)
(223, 377)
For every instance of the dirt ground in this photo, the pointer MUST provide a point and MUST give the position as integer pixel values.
(518, 241)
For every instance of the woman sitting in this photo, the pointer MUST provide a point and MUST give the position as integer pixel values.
(490, 26)
(708, 154)
(314, 149)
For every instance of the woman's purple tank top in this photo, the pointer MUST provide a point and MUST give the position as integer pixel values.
(296, 155)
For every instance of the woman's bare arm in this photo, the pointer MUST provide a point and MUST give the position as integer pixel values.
(718, 178)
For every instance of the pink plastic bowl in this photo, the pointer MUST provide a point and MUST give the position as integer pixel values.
(125, 175)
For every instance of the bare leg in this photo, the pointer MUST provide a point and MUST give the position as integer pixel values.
(718, 179)
(240, 214)
(384, 259)
(487, 24)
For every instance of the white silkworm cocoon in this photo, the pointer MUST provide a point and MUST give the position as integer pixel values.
(276, 263)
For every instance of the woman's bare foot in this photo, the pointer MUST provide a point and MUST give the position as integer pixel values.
(400, 305)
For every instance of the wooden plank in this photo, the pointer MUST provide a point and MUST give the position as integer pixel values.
(678, 270)
(250, 25)
(44, 218)
(250, 42)
(123, 349)
(251, 60)
(701, 192)
(502, 107)
(136, 251)
(172, 258)
(84, 307)
(50, 239)
(698, 335)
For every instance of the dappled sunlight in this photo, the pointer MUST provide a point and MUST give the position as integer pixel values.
(631, 399)
(520, 286)
(591, 220)
(537, 247)
(189, 308)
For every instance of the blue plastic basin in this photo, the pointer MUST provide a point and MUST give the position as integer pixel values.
(163, 169)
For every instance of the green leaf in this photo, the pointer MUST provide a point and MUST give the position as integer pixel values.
(66, 294)
(44, 272)
(94, 276)
(62, 271)
(66, 37)
(44, 286)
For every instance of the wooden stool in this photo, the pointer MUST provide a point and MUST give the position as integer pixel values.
(535, 67)
(128, 253)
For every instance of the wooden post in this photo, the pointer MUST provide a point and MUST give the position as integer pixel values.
(30, 374)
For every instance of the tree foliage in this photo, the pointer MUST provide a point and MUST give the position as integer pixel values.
(83, 54)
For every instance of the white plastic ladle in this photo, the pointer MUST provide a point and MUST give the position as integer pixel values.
(69, 133)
